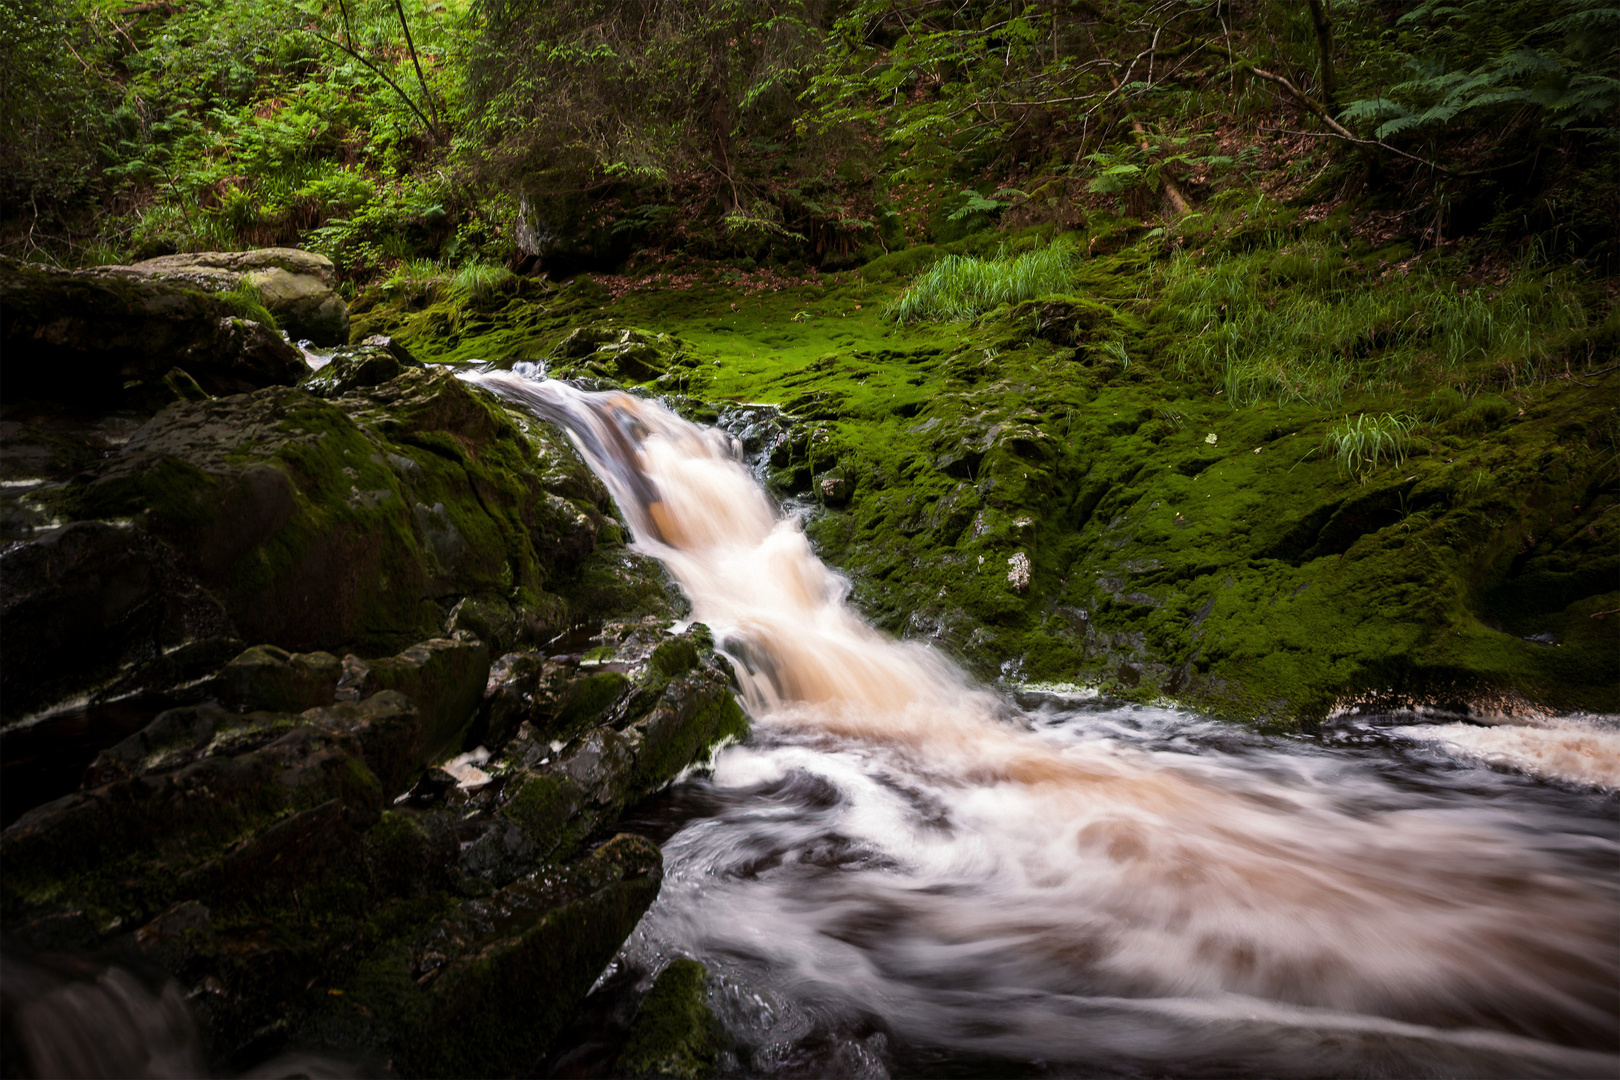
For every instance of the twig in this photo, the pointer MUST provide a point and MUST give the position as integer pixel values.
(432, 129)
(421, 80)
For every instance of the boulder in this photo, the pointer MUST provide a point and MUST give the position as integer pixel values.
(87, 339)
(267, 677)
(675, 1035)
(371, 363)
(626, 355)
(296, 286)
(106, 610)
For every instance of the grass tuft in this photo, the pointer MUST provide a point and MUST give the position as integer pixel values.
(960, 288)
(478, 280)
(1358, 445)
(248, 303)
(1303, 324)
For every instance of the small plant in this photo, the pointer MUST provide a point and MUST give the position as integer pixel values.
(1360, 444)
(959, 288)
(248, 303)
(478, 280)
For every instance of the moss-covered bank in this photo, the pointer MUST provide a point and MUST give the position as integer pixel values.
(1067, 491)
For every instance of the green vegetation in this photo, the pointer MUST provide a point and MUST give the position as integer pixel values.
(1359, 445)
(245, 299)
(959, 288)
(1302, 319)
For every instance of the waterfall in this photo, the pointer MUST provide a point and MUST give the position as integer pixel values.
(898, 855)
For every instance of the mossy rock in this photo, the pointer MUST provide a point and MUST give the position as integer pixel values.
(269, 678)
(75, 338)
(280, 517)
(675, 1035)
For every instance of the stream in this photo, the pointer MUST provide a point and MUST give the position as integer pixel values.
(903, 873)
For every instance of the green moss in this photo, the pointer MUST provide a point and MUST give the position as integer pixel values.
(675, 656)
(588, 697)
(674, 1035)
(1242, 574)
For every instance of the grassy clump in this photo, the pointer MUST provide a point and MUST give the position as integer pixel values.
(1359, 445)
(959, 288)
(425, 281)
(248, 303)
(1305, 322)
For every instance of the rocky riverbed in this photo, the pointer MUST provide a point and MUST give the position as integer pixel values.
(324, 687)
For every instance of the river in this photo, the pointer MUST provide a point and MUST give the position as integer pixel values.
(903, 873)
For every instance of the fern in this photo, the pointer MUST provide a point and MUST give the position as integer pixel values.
(1483, 56)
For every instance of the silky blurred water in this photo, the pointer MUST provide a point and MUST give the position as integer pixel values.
(902, 873)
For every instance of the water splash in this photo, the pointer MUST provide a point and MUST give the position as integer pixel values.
(898, 843)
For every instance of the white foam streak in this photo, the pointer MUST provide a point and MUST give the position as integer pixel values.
(1573, 749)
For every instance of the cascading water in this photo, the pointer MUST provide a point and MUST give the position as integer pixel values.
(899, 872)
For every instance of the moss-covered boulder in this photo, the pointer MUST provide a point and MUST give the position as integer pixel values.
(675, 1035)
(596, 733)
(84, 340)
(296, 286)
(316, 525)
(353, 367)
(623, 355)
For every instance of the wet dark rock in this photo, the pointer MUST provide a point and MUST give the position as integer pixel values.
(267, 677)
(208, 830)
(104, 609)
(316, 525)
(594, 741)
(675, 1035)
(353, 367)
(514, 963)
(83, 340)
(444, 678)
(391, 731)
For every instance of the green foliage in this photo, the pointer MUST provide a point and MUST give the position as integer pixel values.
(1551, 66)
(1358, 445)
(619, 95)
(246, 300)
(51, 113)
(958, 288)
(1302, 322)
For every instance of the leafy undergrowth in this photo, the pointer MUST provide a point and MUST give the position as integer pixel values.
(1061, 492)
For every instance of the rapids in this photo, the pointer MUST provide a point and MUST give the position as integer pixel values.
(901, 872)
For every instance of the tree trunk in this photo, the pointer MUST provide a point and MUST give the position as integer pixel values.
(1324, 49)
